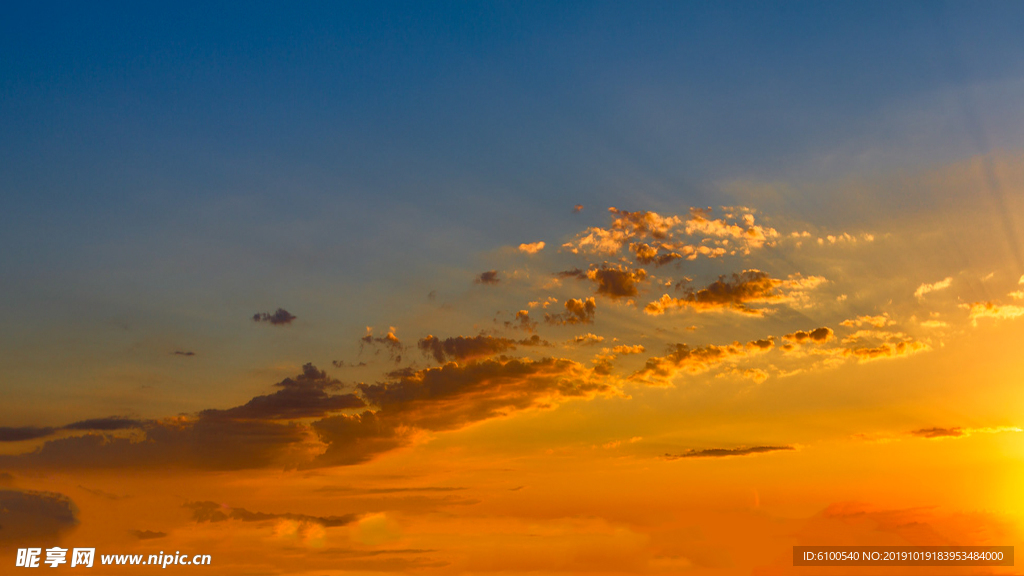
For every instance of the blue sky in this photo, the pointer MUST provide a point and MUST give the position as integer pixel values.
(169, 163)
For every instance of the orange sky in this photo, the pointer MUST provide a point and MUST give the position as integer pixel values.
(789, 390)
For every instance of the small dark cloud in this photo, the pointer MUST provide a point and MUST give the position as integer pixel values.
(213, 512)
(489, 277)
(468, 348)
(389, 341)
(577, 209)
(432, 295)
(574, 273)
(343, 364)
(106, 424)
(183, 353)
(17, 434)
(818, 335)
(25, 515)
(280, 317)
(6, 479)
(147, 534)
(723, 452)
(939, 432)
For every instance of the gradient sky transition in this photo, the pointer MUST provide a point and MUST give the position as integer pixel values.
(511, 287)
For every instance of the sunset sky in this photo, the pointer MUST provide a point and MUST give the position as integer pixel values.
(564, 288)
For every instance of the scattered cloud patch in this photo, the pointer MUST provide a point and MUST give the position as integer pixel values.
(279, 317)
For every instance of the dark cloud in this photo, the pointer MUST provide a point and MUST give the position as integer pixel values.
(17, 434)
(939, 432)
(343, 364)
(106, 424)
(41, 515)
(183, 353)
(278, 318)
(735, 294)
(614, 282)
(617, 282)
(147, 534)
(450, 397)
(305, 396)
(467, 348)
(213, 512)
(574, 273)
(577, 311)
(489, 277)
(32, 432)
(723, 452)
(389, 341)
(269, 431)
(818, 336)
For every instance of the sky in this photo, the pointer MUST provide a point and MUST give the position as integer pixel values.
(573, 288)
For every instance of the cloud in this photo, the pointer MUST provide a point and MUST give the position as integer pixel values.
(879, 321)
(467, 348)
(958, 432)
(577, 209)
(106, 424)
(26, 515)
(17, 434)
(939, 432)
(756, 374)
(522, 322)
(887, 350)
(450, 397)
(934, 287)
(616, 282)
(305, 396)
(147, 534)
(735, 295)
(625, 226)
(647, 254)
(531, 248)
(992, 310)
(625, 350)
(343, 364)
(212, 512)
(587, 339)
(390, 342)
(490, 277)
(577, 311)
(183, 353)
(662, 370)
(724, 452)
(272, 430)
(280, 317)
(749, 234)
(800, 337)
